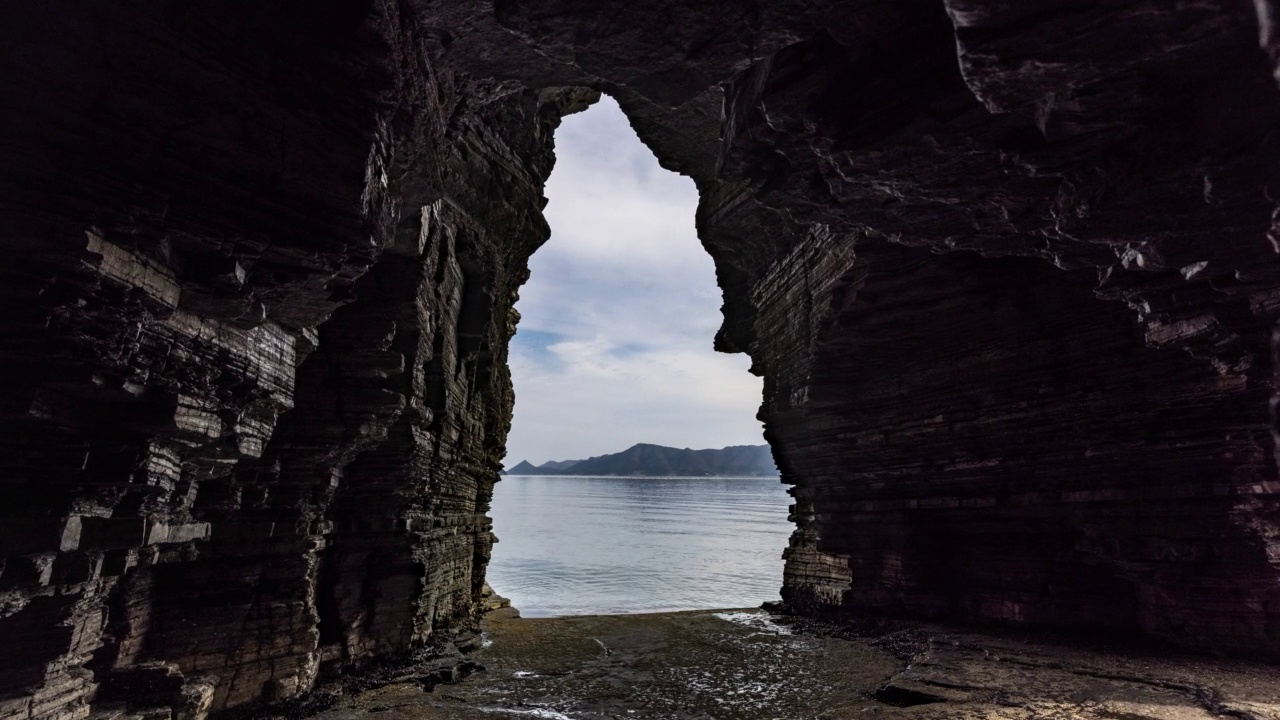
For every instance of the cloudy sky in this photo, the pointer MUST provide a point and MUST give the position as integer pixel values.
(614, 342)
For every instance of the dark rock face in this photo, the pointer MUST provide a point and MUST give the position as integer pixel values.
(1008, 269)
(256, 392)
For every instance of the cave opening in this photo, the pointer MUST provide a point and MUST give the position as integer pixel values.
(613, 361)
(1014, 301)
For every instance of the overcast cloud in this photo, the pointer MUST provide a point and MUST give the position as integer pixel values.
(614, 342)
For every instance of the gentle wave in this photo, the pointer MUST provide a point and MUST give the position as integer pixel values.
(574, 545)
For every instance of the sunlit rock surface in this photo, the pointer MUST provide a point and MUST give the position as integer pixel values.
(1008, 269)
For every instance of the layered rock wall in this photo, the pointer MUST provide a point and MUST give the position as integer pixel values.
(255, 341)
(1008, 270)
(962, 447)
(1009, 274)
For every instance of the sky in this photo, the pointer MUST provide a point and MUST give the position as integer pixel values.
(617, 319)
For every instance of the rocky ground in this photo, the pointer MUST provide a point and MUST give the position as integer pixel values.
(748, 664)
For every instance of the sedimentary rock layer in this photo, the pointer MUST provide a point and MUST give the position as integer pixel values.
(255, 336)
(1009, 272)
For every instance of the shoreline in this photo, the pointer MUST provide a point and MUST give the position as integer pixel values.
(748, 663)
(505, 476)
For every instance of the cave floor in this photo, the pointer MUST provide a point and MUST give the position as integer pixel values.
(744, 664)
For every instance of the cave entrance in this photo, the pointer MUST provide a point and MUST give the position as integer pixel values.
(613, 354)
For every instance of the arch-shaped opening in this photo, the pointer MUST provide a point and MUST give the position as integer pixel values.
(613, 361)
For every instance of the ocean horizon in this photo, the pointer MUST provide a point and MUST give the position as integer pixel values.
(607, 544)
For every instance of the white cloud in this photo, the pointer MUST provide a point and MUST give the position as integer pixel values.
(614, 345)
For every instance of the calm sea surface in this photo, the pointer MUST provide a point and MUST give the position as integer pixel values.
(571, 545)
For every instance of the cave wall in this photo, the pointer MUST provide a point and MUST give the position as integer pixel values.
(1120, 480)
(974, 447)
(255, 346)
(1008, 271)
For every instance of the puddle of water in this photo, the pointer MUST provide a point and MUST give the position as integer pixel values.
(755, 621)
(534, 712)
(904, 697)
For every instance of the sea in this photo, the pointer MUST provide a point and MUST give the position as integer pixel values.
(579, 545)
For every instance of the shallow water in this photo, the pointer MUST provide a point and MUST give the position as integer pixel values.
(571, 545)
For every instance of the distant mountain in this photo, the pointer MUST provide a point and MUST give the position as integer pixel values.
(659, 461)
(558, 465)
(551, 467)
(524, 468)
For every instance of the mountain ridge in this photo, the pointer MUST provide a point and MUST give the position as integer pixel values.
(650, 460)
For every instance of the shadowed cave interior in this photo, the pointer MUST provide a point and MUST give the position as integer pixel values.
(1008, 272)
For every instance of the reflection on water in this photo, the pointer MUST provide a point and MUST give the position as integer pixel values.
(587, 545)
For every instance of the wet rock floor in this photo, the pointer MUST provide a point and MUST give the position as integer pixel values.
(746, 664)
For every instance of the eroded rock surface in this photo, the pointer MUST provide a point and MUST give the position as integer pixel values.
(256, 391)
(1008, 269)
(746, 665)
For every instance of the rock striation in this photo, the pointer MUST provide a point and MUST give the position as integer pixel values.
(254, 355)
(1009, 271)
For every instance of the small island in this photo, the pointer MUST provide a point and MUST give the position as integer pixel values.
(646, 460)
